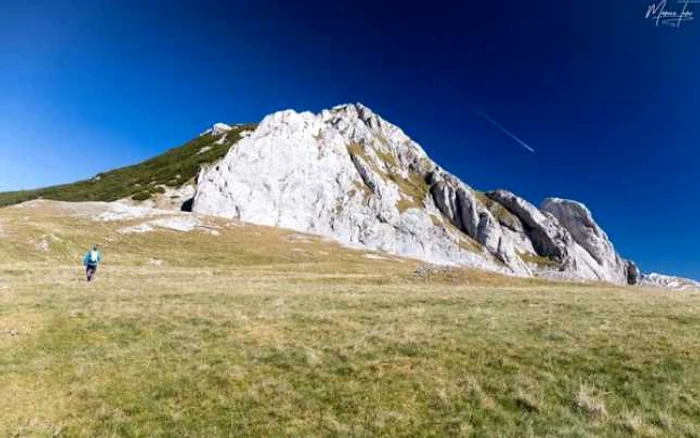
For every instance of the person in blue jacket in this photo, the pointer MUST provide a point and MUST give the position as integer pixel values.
(91, 261)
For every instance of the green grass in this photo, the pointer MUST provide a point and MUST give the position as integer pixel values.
(141, 181)
(257, 332)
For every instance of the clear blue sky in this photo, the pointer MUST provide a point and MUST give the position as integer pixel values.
(610, 102)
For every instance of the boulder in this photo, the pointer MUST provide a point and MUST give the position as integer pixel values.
(634, 276)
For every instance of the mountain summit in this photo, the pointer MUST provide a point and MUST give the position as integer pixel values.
(348, 174)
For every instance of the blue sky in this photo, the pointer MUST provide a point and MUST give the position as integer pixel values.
(609, 101)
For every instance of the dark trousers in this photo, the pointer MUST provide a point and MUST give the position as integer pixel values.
(90, 271)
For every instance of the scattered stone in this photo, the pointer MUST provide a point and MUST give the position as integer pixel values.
(140, 228)
(429, 271)
(119, 211)
(300, 238)
(183, 223)
(43, 245)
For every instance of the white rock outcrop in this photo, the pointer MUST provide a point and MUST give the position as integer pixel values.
(217, 129)
(344, 173)
(578, 221)
(669, 282)
(348, 174)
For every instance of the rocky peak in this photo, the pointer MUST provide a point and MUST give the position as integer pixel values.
(348, 174)
(218, 129)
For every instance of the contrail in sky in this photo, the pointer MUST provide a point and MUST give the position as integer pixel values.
(499, 126)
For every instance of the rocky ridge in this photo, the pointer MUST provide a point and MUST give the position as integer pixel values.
(669, 282)
(348, 174)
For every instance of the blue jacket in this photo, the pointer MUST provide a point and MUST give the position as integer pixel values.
(87, 260)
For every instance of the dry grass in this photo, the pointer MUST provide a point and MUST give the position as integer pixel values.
(414, 188)
(589, 402)
(388, 158)
(536, 260)
(262, 332)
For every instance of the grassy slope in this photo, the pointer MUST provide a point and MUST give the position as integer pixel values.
(173, 168)
(274, 336)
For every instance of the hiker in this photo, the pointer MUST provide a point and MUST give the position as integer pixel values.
(91, 261)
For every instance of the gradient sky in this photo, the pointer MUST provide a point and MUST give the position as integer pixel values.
(610, 102)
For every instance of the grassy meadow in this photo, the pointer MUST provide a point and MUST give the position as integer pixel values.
(263, 332)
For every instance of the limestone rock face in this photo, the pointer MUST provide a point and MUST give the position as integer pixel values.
(553, 244)
(578, 221)
(548, 238)
(460, 205)
(344, 173)
(348, 174)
